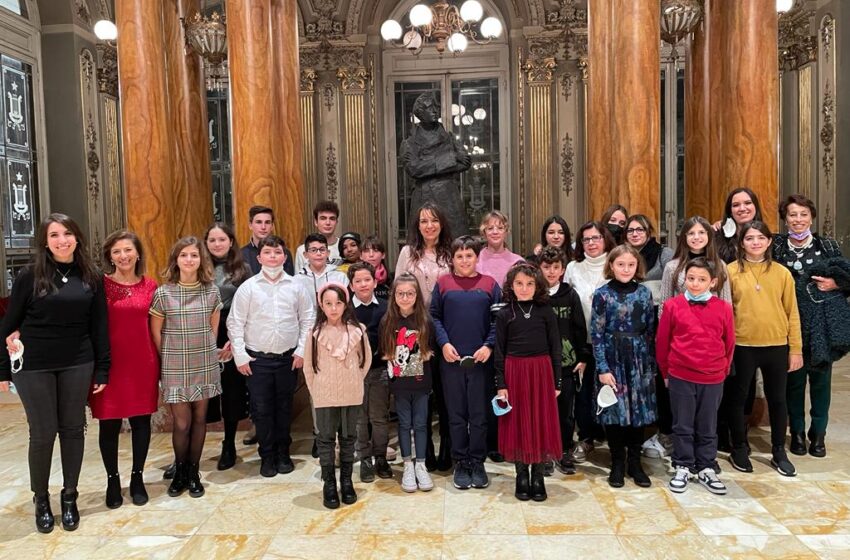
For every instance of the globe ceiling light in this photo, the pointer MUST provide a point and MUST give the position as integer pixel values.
(679, 18)
(479, 114)
(420, 15)
(471, 11)
(783, 6)
(457, 42)
(467, 120)
(391, 30)
(491, 28)
(105, 30)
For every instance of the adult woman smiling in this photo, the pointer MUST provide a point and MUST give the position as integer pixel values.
(803, 252)
(742, 206)
(640, 235)
(58, 306)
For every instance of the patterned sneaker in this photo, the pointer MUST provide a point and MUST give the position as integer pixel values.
(423, 479)
(408, 477)
(708, 478)
(679, 482)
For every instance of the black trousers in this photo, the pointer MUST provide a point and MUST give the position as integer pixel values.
(694, 408)
(465, 395)
(333, 422)
(585, 407)
(271, 386)
(55, 403)
(373, 423)
(773, 362)
(566, 407)
(665, 412)
(492, 419)
(436, 403)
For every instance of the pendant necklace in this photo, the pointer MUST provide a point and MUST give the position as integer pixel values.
(757, 279)
(526, 314)
(799, 251)
(64, 275)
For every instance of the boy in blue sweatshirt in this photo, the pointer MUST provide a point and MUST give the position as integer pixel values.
(465, 332)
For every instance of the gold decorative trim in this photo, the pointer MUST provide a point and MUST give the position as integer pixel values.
(373, 129)
(107, 73)
(521, 140)
(332, 183)
(827, 132)
(112, 152)
(308, 80)
(308, 156)
(353, 82)
(827, 120)
(328, 95)
(804, 152)
(827, 32)
(352, 79)
(567, 164)
(88, 107)
(540, 150)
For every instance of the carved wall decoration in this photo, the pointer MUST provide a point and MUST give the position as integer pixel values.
(827, 31)
(570, 21)
(353, 86)
(81, 11)
(308, 80)
(330, 56)
(325, 28)
(827, 132)
(827, 120)
(107, 72)
(352, 79)
(89, 106)
(308, 135)
(567, 164)
(797, 46)
(112, 169)
(328, 95)
(804, 151)
(332, 183)
(520, 95)
(373, 127)
(567, 81)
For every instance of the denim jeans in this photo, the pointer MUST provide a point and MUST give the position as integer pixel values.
(412, 410)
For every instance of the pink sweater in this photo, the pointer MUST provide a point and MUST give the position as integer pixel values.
(496, 264)
(339, 379)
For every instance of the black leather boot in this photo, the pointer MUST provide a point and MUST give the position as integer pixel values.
(70, 513)
(523, 485)
(180, 481)
(137, 489)
(168, 473)
(228, 456)
(349, 496)
(196, 489)
(817, 447)
(617, 476)
(798, 443)
(113, 491)
(330, 497)
(44, 520)
(635, 469)
(538, 488)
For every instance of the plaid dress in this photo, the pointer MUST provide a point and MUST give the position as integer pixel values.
(190, 369)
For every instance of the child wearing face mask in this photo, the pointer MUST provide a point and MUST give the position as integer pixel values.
(694, 349)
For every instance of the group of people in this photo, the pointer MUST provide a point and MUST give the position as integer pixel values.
(598, 338)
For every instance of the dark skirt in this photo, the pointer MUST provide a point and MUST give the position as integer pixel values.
(232, 404)
(530, 432)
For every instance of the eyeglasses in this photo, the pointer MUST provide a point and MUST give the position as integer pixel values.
(634, 230)
(317, 250)
(405, 295)
(489, 229)
(591, 239)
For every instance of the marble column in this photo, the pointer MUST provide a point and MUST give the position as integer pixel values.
(732, 107)
(146, 128)
(356, 196)
(192, 187)
(624, 95)
(265, 113)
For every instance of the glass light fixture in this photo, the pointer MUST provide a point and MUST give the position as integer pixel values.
(471, 11)
(491, 28)
(458, 42)
(480, 114)
(420, 15)
(467, 120)
(455, 109)
(783, 6)
(391, 30)
(105, 30)
(456, 120)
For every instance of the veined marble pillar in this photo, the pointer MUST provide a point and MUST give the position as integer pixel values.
(146, 129)
(192, 187)
(265, 112)
(732, 107)
(624, 95)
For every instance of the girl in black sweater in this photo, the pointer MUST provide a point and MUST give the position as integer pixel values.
(57, 309)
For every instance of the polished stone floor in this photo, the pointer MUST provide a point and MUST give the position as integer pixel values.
(244, 515)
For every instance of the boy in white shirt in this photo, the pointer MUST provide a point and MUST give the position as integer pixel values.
(325, 220)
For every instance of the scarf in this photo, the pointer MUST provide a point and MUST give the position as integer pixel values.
(650, 252)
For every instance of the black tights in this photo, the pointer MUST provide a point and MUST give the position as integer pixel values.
(189, 431)
(230, 431)
(140, 427)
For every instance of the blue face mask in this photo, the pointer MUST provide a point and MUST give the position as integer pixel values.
(702, 298)
(498, 409)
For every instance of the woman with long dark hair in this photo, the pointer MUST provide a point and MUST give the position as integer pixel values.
(229, 271)
(58, 308)
(742, 206)
(555, 233)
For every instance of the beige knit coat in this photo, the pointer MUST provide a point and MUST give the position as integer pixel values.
(339, 379)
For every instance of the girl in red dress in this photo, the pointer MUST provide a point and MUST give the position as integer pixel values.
(134, 375)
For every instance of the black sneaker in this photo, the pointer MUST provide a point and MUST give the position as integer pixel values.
(367, 471)
(479, 476)
(382, 467)
(780, 462)
(284, 464)
(267, 467)
(462, 479)
(565, 465)
(740, 459)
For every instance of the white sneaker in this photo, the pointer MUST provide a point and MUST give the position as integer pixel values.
(422, 477)
(708, 478)
(679, 482)
(408, 477)
(654, 449)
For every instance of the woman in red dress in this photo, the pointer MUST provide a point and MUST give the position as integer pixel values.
(133, 388)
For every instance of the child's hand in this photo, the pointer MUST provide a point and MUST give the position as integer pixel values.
(245, 369)
(450, 353)
(579, 369)
(502, 394)
(557, 393)
(795, 362)
(297, 362)
(482, 354)
(225, 354)
(10, 342)
(608, 379)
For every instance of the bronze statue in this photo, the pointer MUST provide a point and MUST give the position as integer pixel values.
(435, 160)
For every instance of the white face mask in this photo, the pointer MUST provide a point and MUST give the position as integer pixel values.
(17, 356)
(272, 271)
(729, 227)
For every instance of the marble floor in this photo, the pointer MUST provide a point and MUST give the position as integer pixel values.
(244, 515)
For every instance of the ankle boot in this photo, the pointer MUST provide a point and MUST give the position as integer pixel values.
(137, 489)
(228, 456)
(616, 478)
(180, 480)
(113, 491)
(635, 469)
(196, 489)
(817, 447)
(70, 513)
(538, 489)
(798, 443)
(523, 490)
(330, 497)
(349, 496)
(44, 520)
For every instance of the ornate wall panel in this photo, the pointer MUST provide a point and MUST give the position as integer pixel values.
(539, 71)
(89, 106)
(826, 136)
(804, 148)
(356, 196)
(117, 217)
(308, 133)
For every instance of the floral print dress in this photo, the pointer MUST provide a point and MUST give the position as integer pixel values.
(622, 329)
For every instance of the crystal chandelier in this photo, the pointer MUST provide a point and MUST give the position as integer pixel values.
(207, 36)
(679, 18)
(444, 25)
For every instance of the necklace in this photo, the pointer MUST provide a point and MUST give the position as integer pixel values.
(799, 251)
(64, 275)
(757, 279)
(526, 314)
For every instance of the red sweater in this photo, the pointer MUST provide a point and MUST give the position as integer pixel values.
(695, 341)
